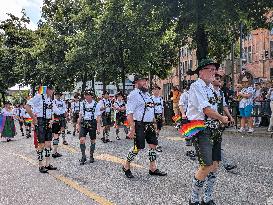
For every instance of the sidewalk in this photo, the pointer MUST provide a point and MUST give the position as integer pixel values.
(258, 132)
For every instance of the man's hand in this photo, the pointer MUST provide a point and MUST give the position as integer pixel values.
(232, 121)
(224, 120)
(78, 127)
(98, 129)
(131, 133)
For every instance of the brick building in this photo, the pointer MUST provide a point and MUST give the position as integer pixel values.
(257, 60)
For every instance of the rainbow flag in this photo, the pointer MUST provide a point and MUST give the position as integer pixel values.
(42, 90)
(177, 118)
(28, 120)
(190, 129)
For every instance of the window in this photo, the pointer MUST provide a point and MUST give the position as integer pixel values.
(271, 49)
(190, 65)
(271, 73)
(249, 55)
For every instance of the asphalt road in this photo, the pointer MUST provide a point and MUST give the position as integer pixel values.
(103, 182)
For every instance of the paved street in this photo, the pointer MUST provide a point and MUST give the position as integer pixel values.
(104, 183)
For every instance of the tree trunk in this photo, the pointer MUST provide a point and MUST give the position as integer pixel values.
(84, 79)
(104, 86)
(200, 33)
(3, 97)
(33, 89)
(122, 67)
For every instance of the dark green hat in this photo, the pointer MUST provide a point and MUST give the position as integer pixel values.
(202, 64)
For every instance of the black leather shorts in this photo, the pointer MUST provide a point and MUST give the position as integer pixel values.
(145, 131)
(208, 146)
(43, 130)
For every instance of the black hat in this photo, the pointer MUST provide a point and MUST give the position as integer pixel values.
(202, 64)
(135, 77)
(119, 94)
(156, 87)
(7, 103)
(57, 92)
(89, 92)
(105, 92)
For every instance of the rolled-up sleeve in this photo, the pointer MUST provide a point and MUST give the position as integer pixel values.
(131, 104)
(201, 97)
(97, 111)
(34, 101)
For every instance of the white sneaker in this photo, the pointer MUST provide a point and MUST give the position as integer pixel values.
(269, 130)
(241, 130)
(250, 130)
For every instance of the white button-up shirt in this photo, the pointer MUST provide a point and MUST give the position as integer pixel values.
(136, 106)
(75, 106)
(183, 101)
(105, 103)
(200, 97)
(60, 105)
(37, 105)
(119, 104)
(159, 106)
(89, 111)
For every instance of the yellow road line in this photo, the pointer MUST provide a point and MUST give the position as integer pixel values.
(99, 199)
(104, 157)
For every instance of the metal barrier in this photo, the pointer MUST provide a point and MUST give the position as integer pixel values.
(260, 109)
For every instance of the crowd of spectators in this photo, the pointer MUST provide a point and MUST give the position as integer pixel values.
(250, 102)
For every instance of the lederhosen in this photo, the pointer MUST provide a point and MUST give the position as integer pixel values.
(208, 142)
(159, 116)
(61, 116)
(106, 116)
(145, 130)
(89, 125)
(120, 115)
(43, 129)
(20, 117)
(75, 115)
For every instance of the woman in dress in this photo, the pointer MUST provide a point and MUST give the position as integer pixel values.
(7, 128)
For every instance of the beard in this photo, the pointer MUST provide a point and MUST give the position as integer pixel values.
(143, 89)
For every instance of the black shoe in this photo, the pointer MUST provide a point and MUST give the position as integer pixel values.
(157, 173)
(127, 137)
(117, 137)
(23, 134)
(8, 140)
(65, 142)
(107, 140)
(103, 140)
(83, 160)
(158, 149)
(43, 170)
(56, 155)
(230, 167)
(68, 132)
(50, 167)
(28, 135)
(196, 203)
(128, 173)
(91, 159)
(74, 133)
(211, 202)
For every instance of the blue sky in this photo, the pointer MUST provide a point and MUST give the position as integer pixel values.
(32, 7)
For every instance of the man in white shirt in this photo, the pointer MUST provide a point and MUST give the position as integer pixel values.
(75, 110)
(106, 108)
(88, 122)
(42, 106)
(204, 108)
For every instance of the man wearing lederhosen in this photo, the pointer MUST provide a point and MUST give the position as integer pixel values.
(159, 112)
(203, 107)
(141, 119)
(20, 114)
(120, 111)
(60, 103)
(89, 122)
(43, 108)
(75, 110)
(105, 108)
